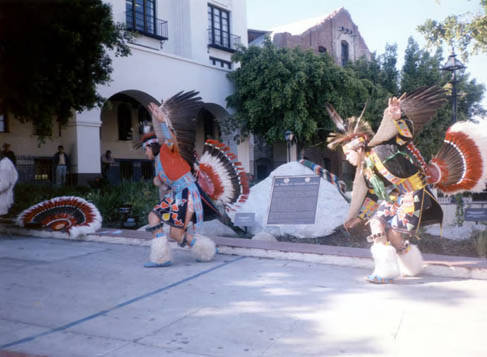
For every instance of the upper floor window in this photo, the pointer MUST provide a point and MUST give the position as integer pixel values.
(221, 63)
(219, 29)
(3, 123)
(344, 53)
(321, 49)
(141, 17)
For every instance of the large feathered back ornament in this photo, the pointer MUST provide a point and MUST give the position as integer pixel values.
(222, 177)
(348, 130)
(66, 213)
(461, 162)
(180, 112)
(418, 106)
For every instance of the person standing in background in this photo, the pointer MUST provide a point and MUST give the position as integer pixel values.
(61, 162)
(8, 178)
(107, 161)
(6, 152)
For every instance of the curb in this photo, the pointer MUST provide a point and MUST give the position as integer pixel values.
(435, 265)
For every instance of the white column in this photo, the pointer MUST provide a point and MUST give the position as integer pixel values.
(86, 156)
(243, 153)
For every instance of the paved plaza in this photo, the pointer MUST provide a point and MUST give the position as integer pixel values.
(76, 298)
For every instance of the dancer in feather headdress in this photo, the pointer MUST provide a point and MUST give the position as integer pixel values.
(184, 204)
(390, 189)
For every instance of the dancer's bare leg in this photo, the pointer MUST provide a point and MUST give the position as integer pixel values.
(378, 231)
(397, 240)
(153, 220)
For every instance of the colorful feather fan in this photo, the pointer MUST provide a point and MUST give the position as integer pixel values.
(221, 176)
(461, 163)
(66, 213)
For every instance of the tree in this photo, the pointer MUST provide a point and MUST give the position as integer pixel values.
(421, 68)
(286, 89)
(380, 77)
(53, 54)
(467, 33)
(388, 65)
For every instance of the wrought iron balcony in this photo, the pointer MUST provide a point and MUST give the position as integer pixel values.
(146, 25)
(222, 40)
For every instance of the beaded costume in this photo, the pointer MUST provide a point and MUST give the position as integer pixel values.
(391, 190)
(192, 189)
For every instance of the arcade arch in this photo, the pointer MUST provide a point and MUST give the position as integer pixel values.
(121, 117)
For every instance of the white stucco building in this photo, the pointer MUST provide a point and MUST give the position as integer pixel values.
(179, 45)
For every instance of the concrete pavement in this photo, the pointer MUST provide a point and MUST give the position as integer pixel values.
(438, 265)
(80, 298)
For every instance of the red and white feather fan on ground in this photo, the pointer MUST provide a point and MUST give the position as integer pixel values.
(66, 213)
(222, 177)
(461, 163)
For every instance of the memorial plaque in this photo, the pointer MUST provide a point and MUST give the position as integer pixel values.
(294, 200)
(244, 219)
(475, 214)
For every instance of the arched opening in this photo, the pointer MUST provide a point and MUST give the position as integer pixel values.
(208, 124)
(121, 118)
(344, 52)
(263, 168)
(124, 120)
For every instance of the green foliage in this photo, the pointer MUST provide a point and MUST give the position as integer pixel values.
(375, 79)
(142, 196)
(390, 74)
(467, 33)
(286, 89)
(53, 54)
(421, 68)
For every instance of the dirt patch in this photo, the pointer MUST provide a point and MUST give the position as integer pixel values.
(428, 243)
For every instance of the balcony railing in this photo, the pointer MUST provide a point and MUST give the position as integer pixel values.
(147, 26)
(223, 41)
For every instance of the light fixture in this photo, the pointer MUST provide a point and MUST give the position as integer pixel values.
(452, 65)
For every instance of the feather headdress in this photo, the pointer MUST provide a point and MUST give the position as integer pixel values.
(354, 130)
(180, 113)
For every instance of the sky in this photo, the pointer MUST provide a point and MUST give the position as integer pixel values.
(379, 21)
